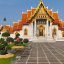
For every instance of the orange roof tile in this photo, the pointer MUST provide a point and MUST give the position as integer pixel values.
(28, 14)
(11, 30)
(55, 16)
(61, 26)
(6, 28)
(55, 22)
(19, 26)
(24, 17)
(15, 26)
(20, 22)
(50, 12)
(33, 10)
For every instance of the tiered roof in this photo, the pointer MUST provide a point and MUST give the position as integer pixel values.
(29, 15)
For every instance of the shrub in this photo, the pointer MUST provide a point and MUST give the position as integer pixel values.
(1, 40)
(16, 43)
(18, 39)
(21, 43)
(9, 39)
(6, 34)
(17, 35)
(21, 39)
(3, 48)
(25, 40)
(5, 43)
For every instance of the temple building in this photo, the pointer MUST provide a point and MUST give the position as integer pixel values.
(39, 25)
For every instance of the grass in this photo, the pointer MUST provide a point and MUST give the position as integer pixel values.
(6, 61)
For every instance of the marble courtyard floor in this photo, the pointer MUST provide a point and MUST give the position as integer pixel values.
(41, 53)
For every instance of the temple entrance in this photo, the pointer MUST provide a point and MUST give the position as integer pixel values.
(41, 30)
(40, 27)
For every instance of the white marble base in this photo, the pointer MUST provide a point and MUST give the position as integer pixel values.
(43, 39)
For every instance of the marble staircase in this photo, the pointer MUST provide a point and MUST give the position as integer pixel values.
(43, 39)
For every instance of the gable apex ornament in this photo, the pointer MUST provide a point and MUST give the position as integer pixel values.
(40, 0)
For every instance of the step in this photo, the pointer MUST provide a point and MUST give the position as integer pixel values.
(43, 40)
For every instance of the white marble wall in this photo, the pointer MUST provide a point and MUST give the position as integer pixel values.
(48, 32)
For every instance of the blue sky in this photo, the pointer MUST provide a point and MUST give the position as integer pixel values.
(12, 9)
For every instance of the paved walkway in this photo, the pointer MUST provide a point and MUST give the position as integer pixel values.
(42, 53)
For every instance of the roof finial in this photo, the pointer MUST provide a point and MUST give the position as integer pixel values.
(40, 0)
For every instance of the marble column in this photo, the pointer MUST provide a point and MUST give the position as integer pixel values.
(35, 29)
(47, 29)
(50, 30)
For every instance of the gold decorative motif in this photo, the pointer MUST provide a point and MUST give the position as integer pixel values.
(25, 31)
(40, 0)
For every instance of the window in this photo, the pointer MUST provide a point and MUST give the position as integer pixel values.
(48, 23)
(41, 16)
(54, 32)
(25, 31)
(62, 33)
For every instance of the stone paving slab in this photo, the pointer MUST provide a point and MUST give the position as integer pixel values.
(42, 53)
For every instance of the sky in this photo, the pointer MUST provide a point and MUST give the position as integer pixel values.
(12, 9)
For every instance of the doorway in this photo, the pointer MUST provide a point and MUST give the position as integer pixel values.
(41, 30)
